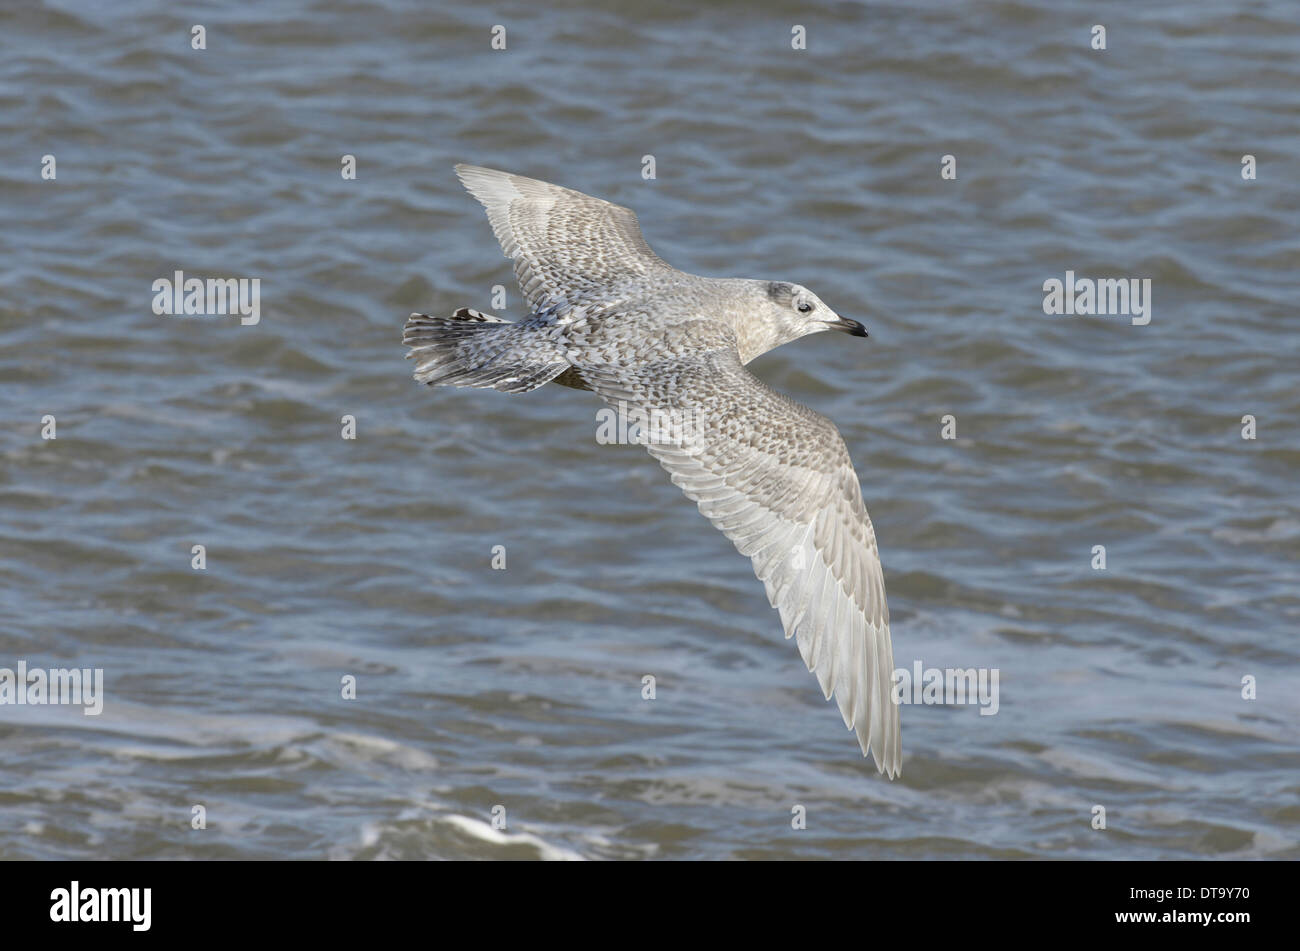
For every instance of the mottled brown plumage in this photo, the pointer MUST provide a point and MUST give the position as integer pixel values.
(775, 477)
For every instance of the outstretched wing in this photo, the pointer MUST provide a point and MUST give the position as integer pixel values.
(776, 478)
(567, 247)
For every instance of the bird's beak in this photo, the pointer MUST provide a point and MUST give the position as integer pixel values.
(850, 327)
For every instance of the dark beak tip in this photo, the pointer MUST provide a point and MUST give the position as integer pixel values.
(848, 326)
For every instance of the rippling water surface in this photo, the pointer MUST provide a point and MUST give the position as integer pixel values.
(522, 688)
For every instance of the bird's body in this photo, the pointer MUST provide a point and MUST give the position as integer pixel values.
(609, 315)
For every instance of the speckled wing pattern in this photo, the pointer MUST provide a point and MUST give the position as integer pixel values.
(775, 478)
(568, 248)
(773, 475)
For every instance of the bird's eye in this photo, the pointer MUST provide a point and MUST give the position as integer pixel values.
(805, 307)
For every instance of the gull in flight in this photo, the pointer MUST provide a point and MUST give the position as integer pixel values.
(609, 315)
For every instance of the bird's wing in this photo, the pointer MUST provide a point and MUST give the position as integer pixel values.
(776, 478)
(567, 247)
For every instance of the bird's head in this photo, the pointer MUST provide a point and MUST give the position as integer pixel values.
(798, 312)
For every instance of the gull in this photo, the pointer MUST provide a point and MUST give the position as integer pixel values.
(610, 316)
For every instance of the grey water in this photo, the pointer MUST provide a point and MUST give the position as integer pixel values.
(1164, 688)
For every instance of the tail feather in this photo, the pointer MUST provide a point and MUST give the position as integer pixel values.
(471, 348)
